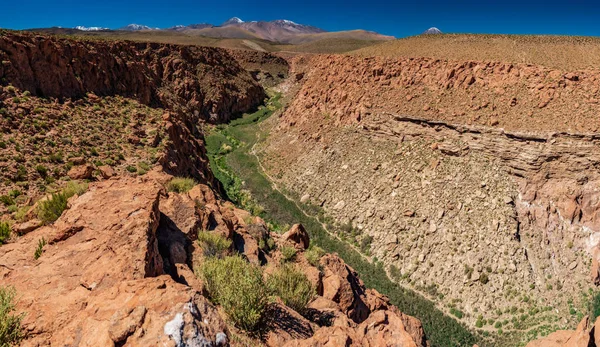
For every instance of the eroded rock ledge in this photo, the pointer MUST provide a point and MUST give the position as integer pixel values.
(117, 271)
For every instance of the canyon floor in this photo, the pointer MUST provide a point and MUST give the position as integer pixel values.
(432, 197)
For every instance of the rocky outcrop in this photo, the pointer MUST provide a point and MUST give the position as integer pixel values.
(117, 270)
(100, 279)
(585, 335)
(297, 235)
(203, 82)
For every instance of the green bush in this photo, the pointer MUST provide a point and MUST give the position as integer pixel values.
(21, 214)
(238, 287)
(40, 248)
(7, 200)
(50, 210)
(4, 232)
(314, 254)
(181, 184)
(288, 253)
(483, 278)
(10, 323)
(365, 243)
(292, 286)
(42, 170)
(213, 244)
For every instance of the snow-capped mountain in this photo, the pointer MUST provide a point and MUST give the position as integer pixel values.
(432, 30)
(137, 27)
(84, 28)
(230, 21)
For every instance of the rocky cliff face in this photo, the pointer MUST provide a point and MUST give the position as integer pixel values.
(124, 276)
(469, 178)
(205, 82)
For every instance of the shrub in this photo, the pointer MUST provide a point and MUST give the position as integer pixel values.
(181, 184)
(457, 313)
(50, 210)
(22, 213)
(10, 323)
(288, 253)
(483, 278)
(238, 287)
(365, 243)
(42, 170)
(292, 286)
(40, 248)
(143, 168)
(314, 254)
(4, 232)
(7, 200)
(213, 244)
(21, 173)
(131, 168)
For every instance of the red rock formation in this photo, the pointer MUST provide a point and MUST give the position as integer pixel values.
(117, 270)
(200, 81)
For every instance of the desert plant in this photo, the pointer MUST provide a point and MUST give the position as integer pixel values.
(292, 286)
(40, 248)
(10, 323)
(21, 214)
(181, 184)
(314, 254)
(288, 253)
(7, 200)
(238, 287)
(483, 278)
(49, 210)
(4, 232)
(42, 170)
(213, 244)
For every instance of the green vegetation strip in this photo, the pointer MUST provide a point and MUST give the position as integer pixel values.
(238, 170)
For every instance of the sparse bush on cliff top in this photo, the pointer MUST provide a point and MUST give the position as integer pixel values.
(51, 209)
(238, 287)
(288, 253)
(213, 244)
(314, 254)
(181, 184)
(4, 232)
(292, 286)
(10, 323)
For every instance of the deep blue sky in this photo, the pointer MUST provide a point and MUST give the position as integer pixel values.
(401, 18)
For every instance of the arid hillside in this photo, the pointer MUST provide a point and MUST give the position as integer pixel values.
(473, 182)
(556, 52)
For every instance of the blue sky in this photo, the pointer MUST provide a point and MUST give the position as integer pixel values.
(400, 18)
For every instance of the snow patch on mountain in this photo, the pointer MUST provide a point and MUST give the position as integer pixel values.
(432, 30)
(84, 28)
(234, 20)
(137, 27)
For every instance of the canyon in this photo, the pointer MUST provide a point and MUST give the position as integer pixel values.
(457, 202)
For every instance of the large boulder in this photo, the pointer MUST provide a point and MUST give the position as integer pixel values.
(100, 281)
(81, 172)
(297, 235)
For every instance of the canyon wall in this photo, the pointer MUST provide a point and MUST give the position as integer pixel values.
(206, 82)
(477, 182)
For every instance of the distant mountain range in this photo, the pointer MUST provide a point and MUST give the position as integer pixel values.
(280, 31)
